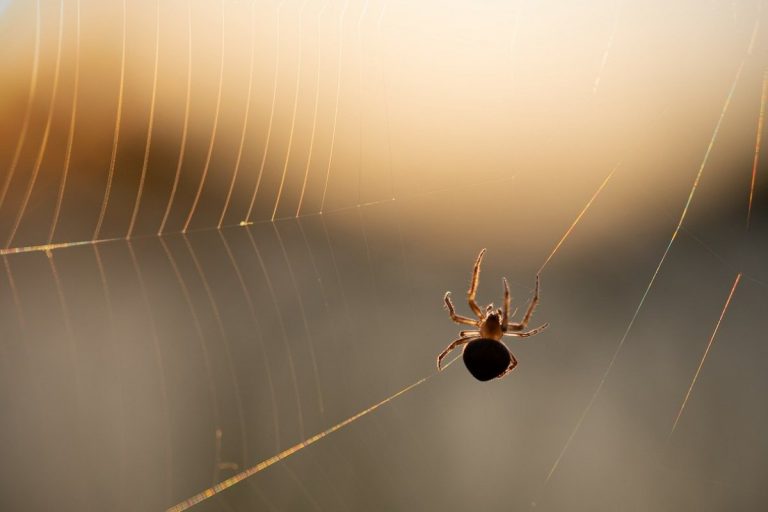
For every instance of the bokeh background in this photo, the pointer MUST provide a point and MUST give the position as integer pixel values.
(227, 226)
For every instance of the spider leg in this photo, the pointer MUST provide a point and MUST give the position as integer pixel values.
(473, 285)
(456, 343)
(469, 333)
(507, 301)
(529, 313)
(512, 364)
(452, 311)
(525, 334)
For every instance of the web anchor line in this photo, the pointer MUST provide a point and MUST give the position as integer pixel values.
(261, 466)
(758, 139)
(706, 353)
(647, 290)
(243, 223)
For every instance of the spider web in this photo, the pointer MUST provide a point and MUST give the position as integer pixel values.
(144, 365)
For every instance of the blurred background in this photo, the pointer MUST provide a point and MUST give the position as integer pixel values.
(226, 226)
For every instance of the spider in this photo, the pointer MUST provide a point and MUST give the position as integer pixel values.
(485, 356)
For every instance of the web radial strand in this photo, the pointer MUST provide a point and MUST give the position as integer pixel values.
(305, 323)
(318, 279)
(359, 33)
(314, 116)
(161, 367)
(150, 126)
(116, 133)
(336, 106)
(71, 134)
(271, 119)
(27, 109)
(293, 115)
(108, 306)
(283, 332)
(246, 115)
(214, 130)
(185, 126)
(69, 335)
(336, 272)
(225, 340)
(15, 295)
(257, 329)
(213, 390)
(46, 132)
(385, 93)
(371, 273)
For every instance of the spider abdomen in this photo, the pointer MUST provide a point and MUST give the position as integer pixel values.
(486, 358)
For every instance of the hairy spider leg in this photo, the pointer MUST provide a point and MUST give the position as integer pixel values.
(507, 302)
(525, 334)
(456, 343)
(512, 326)
(473, 285)
(452, 311)
(512, 364)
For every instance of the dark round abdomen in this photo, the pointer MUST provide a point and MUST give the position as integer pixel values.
(486, 359)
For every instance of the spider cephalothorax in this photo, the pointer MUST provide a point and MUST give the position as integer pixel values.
(485, 356)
